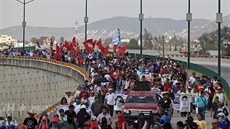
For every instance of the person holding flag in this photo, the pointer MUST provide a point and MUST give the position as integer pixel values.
(116, 40)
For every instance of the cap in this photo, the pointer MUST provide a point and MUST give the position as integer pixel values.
(83, 106)
(219, 88)
(110, 89)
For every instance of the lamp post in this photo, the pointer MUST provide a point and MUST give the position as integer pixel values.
(86, 19)
(219, 20)
(141, 18)
(189, 19)
(24, 20)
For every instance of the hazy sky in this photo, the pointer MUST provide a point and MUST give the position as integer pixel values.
(64, 13)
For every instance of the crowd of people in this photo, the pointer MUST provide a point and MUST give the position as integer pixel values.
(92, 104)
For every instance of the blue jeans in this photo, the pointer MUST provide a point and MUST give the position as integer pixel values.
(201, 110)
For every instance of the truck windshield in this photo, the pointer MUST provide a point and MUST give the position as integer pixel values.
(139, 99)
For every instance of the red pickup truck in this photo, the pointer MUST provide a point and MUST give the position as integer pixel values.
(137, 102)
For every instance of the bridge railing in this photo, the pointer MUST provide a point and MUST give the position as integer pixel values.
(197, 68)
(84, 73)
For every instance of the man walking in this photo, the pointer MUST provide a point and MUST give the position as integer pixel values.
(202, 102)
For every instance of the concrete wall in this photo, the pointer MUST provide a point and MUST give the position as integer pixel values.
(35, 84)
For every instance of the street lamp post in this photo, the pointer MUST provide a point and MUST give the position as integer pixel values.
(189, 19)
(141, 18)
(24, 20)
(86, 19)
(219, 21)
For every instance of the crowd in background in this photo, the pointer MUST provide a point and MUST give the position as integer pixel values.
(92, 104)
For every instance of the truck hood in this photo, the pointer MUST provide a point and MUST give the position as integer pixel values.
(146, 106)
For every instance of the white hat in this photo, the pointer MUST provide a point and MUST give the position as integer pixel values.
(9, 114)
(94, 118)
(32, 112)
(110, 89)
(83, 106)
(221, 114)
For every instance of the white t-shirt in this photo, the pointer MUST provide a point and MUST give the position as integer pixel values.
(221, 97)
(192, 79)
(110, 98)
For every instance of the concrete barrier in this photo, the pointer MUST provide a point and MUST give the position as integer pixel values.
(35, 83)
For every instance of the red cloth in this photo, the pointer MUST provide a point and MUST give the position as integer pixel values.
(167, 86)
(74, 41)
(51, 43)
(122, 49)
(102, 48)
(94, 125)
(84, 92)
(38, 44)
(87, 47)
(121, 121)
(115, 47)
(66, 45)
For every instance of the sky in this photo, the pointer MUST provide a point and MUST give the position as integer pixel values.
(64, 13)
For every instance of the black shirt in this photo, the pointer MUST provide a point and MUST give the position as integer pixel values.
(166, 103)
(30, 123)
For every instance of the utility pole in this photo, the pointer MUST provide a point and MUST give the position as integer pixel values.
(189, 19)
(86, 19)
(24, 20)
(161, 41)
(141, 18)
(219, 19)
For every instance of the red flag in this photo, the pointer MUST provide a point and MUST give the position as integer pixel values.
(57, 48)
(115, 47)
(74, 41)
(106, 49)
(38, 44)
(78, 49)
(66, 45)
(122, 49)
(87, 47)
(51, 43)
(102, 48)
(71, 47)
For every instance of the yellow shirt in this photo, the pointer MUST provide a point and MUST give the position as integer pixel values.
(201, 124)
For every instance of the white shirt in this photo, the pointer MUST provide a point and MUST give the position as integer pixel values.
(221, 97)
(13, 122)
(192, 79)
(77, 107)
(127, 84)
(107, 116)
(110, 98)
(107, 76)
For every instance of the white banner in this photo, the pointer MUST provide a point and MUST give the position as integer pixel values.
(119, 101)
(176, 103)
(185, 102)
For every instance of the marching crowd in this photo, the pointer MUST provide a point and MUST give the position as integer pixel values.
(92, 104)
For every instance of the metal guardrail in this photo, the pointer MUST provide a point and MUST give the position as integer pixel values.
(196, 56)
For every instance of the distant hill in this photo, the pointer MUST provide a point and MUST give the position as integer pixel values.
(106, 28)
(198, 30)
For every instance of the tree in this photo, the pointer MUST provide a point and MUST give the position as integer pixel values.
(62, 40)
(53, 38)
(227, 50)
(133, 44)
(148, 40)
(33, 40)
